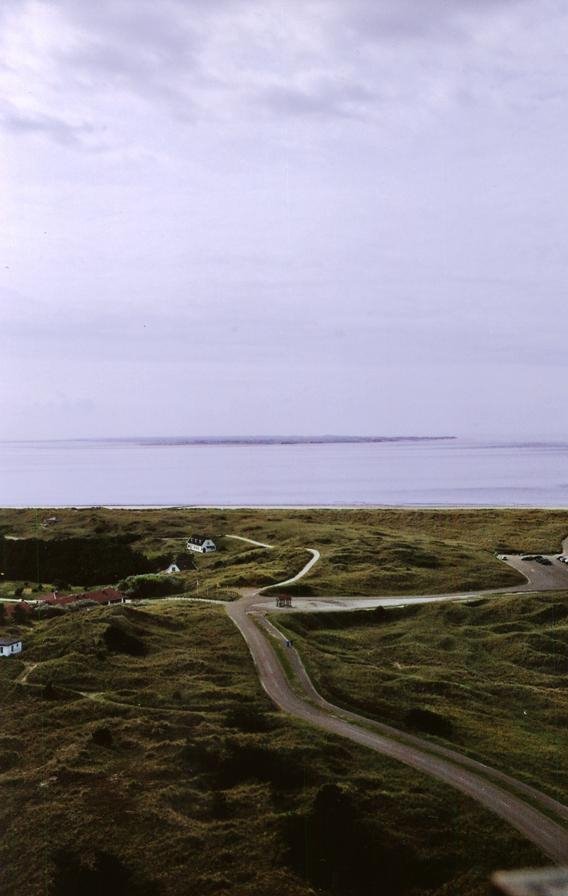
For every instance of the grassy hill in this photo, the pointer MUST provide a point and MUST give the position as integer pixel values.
(488, 676)
(142, 758)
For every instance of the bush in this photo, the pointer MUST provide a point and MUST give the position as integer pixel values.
(249, 719)
(107, 874)
(429, 722)
(102, 737)
(46, 611)
(153, 585)
(336, 848)
(185, 560)
(118, 639)
(20, 615)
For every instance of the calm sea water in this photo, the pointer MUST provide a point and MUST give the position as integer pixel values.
(453, 472)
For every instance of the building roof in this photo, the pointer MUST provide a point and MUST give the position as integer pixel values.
(102, 596)
(11, 605)
(199, 539)
(7, 642)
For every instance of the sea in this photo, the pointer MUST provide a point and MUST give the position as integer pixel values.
(284, 472)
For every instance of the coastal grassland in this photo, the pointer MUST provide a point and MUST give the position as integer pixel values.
(177, 776)
(374, 551)
(488, 676)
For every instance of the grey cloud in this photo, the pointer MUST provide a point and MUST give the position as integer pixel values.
(263, 238)
(323, 99)
(133, 40)
(149, 51)
(57, 129)
(381, 20)
(161, 54)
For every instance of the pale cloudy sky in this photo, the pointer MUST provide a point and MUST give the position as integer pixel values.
(311, 216)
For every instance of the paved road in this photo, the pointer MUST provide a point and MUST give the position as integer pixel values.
(540, 577)
(493, 789)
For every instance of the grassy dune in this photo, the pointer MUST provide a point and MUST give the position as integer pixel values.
(488, 677)
(363, 551)
(177, 777)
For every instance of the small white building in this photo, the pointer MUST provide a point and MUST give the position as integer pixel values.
(172, 568)
(10, 646)
(201, 544)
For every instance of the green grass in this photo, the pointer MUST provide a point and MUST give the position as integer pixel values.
(181, 778)
(488, 677)
(362, 551)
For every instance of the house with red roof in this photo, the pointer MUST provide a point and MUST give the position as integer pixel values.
(104, 596)
(10, 607)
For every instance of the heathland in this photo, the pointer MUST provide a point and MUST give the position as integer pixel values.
(362, 552)
(487, 676)
(139, 754)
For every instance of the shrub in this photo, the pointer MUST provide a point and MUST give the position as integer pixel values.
(429, 722)
(20, 615)
(102, 737)
(153, 585)
(107, 874)
(249, 718)
(335, 848)
(118, 639)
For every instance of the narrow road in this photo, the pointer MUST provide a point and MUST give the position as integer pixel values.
(305, 569)
(470, 777)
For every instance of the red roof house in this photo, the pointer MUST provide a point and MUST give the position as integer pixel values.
(10, 606)
(102, 596)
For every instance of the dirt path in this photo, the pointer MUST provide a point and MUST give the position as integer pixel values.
(496, 791)
(28, 669)
(259, 544)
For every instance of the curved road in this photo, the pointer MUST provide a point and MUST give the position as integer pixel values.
(467, 775)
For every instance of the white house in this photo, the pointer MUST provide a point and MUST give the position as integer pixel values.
(201, 544)
(10, 646)
(173, 567)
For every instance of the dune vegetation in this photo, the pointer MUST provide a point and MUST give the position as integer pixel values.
(380, 551)
(139, 755)
(487, 676)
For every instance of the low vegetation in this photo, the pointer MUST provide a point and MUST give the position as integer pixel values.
(141, 757)
(362, 551)
(487, 676)
(138, 753)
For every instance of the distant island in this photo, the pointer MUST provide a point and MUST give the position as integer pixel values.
(268, 440)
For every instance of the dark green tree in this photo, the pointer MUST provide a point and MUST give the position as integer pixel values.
(19, 615)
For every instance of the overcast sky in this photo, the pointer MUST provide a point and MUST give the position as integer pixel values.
(311, 216)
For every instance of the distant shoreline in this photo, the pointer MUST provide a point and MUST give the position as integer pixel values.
(298, 507)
